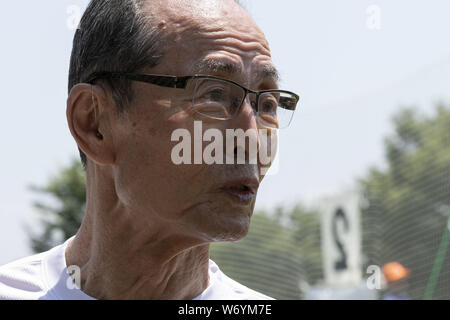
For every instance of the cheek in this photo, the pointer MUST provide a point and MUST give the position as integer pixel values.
(150, 184)
(148, 180)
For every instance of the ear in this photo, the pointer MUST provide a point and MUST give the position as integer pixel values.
(87, 112)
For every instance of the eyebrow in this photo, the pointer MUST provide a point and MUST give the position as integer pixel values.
(270, 71)
(221, 66)
(217, 66)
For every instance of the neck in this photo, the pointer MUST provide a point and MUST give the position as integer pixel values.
(121, 257)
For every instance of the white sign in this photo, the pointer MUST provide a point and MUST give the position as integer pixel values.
(341, 240)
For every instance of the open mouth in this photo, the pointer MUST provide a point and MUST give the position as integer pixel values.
(241, 187)
(241, 193)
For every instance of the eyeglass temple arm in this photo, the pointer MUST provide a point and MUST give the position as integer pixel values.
(163, 81)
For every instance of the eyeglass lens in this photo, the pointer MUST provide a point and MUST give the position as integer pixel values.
(219, 99)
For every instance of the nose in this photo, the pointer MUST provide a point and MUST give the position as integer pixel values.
(246, 117)
(246, 140)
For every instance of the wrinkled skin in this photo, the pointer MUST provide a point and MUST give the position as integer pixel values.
(149, 222)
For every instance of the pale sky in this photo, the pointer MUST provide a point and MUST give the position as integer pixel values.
(351, 80)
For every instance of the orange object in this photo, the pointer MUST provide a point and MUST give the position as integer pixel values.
(394, 271)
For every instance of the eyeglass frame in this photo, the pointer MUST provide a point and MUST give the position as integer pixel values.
(181, 83)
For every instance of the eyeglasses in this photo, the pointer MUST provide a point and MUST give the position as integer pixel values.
(220, 98)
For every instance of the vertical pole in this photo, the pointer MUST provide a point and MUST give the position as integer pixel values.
(438, 261)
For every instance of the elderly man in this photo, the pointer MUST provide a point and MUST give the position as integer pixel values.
(140, 70)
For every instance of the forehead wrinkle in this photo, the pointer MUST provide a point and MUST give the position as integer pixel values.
(240, 40)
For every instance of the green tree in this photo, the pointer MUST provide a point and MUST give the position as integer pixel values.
(409, 199)
(61, 219)
(281, 251)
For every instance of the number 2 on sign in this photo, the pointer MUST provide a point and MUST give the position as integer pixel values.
(341, 263)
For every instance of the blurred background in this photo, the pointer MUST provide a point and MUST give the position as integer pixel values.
(359, 207)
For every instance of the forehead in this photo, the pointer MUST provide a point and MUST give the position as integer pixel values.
(183, 15)
(211, 30)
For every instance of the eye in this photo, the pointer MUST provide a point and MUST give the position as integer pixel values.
(211, 91)
(214, 94)
(268, 105)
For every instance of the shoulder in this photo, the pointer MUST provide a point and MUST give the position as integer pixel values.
(236, 290)
(22, 279)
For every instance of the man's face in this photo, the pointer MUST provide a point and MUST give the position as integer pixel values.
(198, 200)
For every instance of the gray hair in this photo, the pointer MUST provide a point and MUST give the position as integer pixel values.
(115, 35)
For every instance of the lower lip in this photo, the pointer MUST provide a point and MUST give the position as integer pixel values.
(239, 196)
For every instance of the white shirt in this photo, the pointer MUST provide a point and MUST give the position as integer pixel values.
(44, 276)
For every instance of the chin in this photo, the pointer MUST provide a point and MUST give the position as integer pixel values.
(231, 230)
(220, 222)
